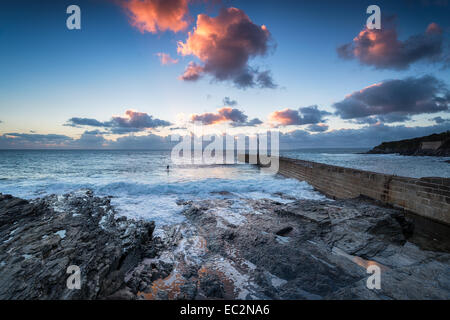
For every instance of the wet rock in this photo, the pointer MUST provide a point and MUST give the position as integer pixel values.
(321, 251)
(142, 286)
(284, 231)
(123, 294)
(212, 286)
(40, 239)
(188, 291)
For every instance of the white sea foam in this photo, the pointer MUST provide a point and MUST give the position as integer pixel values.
(138, 182)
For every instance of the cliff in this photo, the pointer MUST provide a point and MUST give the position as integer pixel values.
(432, 145)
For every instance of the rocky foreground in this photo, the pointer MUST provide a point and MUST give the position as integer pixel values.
(227, 248)
(39, 240)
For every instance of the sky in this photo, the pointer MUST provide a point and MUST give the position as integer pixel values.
(139, 71)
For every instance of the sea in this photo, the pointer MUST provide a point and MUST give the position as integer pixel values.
(142, 188)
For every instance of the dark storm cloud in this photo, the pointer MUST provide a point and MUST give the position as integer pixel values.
(395, 100)
(132, 121)
(302, 116)
(382, 49)
(225, 44)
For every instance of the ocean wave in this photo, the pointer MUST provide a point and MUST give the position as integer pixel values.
(199, 188)
(157, 200)
(205, 187)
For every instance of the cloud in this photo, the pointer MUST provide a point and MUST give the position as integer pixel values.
(38, 141)
(150, 141)
(158, 15)
(88, 140)
(440, 120)
(395, 100)
(236, 117)
(382, 49)
(223, 115)
(224, 45)
(264, 79)
(252, 123)
(193, 72)
(95, 132)
(76, 122)
(132, 121)
(320, 127)
(369, 136)
(302, 116)
(141, 120)
(50, 138)
(166, 59)
(229, 103)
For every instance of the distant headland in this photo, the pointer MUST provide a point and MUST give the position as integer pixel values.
(433, 145)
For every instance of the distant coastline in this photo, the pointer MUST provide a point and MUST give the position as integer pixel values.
(437, 145)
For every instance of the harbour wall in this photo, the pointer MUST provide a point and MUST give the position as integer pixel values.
(427, 197)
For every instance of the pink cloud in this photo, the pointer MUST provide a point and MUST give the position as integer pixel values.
(235, 117)
(166, 59)
(434, 28)
(158, 15)
(302, 116)
(223, 115)
(225, 44)
(193, 72)
(383, 49)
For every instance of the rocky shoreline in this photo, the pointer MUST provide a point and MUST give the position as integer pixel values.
(40, 239)
(435, 145)
(227, 248)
